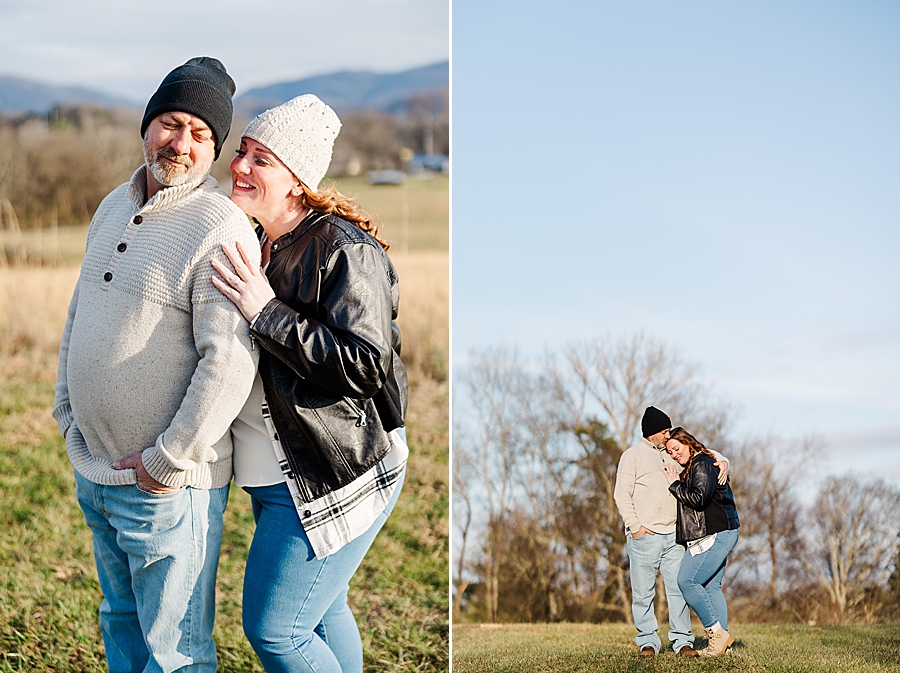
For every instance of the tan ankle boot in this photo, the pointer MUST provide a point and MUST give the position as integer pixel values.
(719, 641)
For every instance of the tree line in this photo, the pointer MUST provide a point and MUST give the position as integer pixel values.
(538, 538)
(56, 168)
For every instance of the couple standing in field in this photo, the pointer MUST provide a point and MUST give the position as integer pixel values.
(194, 351)
(680, 520)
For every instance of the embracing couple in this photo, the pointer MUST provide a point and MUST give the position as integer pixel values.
(680, 520)
(195, 351)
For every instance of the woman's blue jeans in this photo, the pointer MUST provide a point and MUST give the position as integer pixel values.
(700, 580)
(295, 608)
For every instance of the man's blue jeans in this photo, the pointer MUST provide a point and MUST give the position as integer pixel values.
(295, 608)
(157, 557)
(700, 580)
(649, 555)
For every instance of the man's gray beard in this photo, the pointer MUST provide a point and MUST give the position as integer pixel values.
(171, 176)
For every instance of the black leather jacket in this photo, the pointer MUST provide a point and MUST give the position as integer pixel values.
(330, 360)
(704, 507)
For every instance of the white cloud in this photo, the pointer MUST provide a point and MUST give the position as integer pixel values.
(795, 390)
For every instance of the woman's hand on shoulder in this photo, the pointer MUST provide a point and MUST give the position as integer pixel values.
(247, 287)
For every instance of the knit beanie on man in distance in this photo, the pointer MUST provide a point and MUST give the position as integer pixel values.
(654, 421)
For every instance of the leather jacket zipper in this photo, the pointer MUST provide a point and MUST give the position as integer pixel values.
(360, 414)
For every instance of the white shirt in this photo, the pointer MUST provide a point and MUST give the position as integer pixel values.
(255, 463)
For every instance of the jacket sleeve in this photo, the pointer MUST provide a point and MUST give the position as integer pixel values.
(699, 492)
(347, 348)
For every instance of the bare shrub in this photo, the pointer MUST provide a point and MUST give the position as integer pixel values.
(66, 163)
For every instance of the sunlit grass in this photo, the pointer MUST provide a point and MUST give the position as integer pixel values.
(583, 648)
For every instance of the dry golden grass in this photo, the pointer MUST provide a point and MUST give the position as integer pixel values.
(412, 216)
(424, 317)
(33, 304)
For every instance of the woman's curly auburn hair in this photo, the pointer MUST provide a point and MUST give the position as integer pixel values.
(686, 438)
(330, 200)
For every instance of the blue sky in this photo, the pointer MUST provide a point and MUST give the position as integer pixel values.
(722, 176)
(126, 47)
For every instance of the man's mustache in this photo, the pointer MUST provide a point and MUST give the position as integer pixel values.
(172, 155)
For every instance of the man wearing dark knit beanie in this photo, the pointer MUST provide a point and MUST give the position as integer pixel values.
(649, 512)
(200, 87)
(154, 364)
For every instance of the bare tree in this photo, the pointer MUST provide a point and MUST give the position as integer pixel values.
(853, 540)
(765, 477)
(598, 463)
(369, 139)
(494, 448)
(892, 595)
(462, 518)
(623, 377)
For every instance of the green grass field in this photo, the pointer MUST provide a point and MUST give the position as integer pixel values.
(413, 215)
(594, 648)
(49, 593)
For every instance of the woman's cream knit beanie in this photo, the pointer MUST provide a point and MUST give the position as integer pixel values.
(301, 133)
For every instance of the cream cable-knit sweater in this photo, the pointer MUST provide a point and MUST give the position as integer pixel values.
(153, 357)
(642, 492)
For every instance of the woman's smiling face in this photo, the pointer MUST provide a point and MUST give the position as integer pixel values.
(260, 184)
(680, 453)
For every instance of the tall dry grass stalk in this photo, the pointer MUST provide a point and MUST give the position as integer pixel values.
(424, 318)
(33, 304)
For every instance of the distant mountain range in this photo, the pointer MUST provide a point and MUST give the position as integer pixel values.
(19, 95)
(351, 90)
(344, 91)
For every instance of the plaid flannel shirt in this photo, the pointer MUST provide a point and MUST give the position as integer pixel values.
(341, 516)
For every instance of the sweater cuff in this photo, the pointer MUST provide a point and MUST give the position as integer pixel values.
(63, 417)
(633, 526)
(161, 469)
